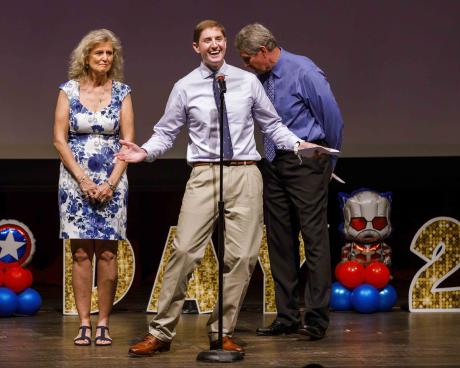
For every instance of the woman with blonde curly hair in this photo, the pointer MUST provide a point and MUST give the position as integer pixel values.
(94, 110)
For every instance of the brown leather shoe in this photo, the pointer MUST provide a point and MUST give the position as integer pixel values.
(227, 344)
(149, 346)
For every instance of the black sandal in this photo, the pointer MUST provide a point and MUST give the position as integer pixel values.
(83, 339)
(102, 340)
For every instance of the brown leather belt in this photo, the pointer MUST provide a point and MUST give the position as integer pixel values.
(226, 163)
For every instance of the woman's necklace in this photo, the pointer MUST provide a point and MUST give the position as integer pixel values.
(100, 97)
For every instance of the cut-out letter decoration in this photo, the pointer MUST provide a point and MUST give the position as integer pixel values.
(202, 286)
(438, 244)
(269, 283)
(126, 268)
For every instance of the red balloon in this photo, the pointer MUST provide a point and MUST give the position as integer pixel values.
(18, 279)
(350, 274)
(377, 274)
(337, 270)
(2, 276)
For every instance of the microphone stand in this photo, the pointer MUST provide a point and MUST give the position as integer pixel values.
(220, 355)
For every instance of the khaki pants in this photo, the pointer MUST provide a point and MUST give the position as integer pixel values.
(197, 218)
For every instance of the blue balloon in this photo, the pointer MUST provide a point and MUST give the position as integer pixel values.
(29, 302)
(340, 297)
(365, 298)
(8, 302)
(387, 298)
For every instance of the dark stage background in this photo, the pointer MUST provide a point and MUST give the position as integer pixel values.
(393, 65)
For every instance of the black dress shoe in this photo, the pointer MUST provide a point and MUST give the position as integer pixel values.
(276, 328)
(315, 332)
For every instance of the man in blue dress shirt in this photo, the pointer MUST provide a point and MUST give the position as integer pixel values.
(295, 192)
(192, 105)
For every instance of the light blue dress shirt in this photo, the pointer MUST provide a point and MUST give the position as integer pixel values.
(192, 103)
(304, 100)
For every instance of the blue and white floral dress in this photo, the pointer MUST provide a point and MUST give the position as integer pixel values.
(93, 139)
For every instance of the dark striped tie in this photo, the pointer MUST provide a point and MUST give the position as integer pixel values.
(269, 146)
(228, 147)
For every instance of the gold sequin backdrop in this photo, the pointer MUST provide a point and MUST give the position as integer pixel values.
(202, 286)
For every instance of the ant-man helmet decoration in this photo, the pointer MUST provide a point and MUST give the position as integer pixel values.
(366, 224)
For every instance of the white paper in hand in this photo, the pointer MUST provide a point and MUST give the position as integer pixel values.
(312, 151)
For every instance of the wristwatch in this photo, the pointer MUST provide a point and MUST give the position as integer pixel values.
(296, 147)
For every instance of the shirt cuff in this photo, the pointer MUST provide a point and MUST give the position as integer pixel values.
(150, 156)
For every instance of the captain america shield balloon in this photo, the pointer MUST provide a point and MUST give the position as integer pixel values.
(17, 244)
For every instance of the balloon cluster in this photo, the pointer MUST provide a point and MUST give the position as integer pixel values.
(364, 289)
(16, 295)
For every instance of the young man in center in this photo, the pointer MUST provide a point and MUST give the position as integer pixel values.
(193, 103)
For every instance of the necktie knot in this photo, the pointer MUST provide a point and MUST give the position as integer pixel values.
(269, 87)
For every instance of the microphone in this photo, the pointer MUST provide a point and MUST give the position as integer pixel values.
(221, 82)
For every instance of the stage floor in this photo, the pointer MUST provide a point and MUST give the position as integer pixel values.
(393, 339)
